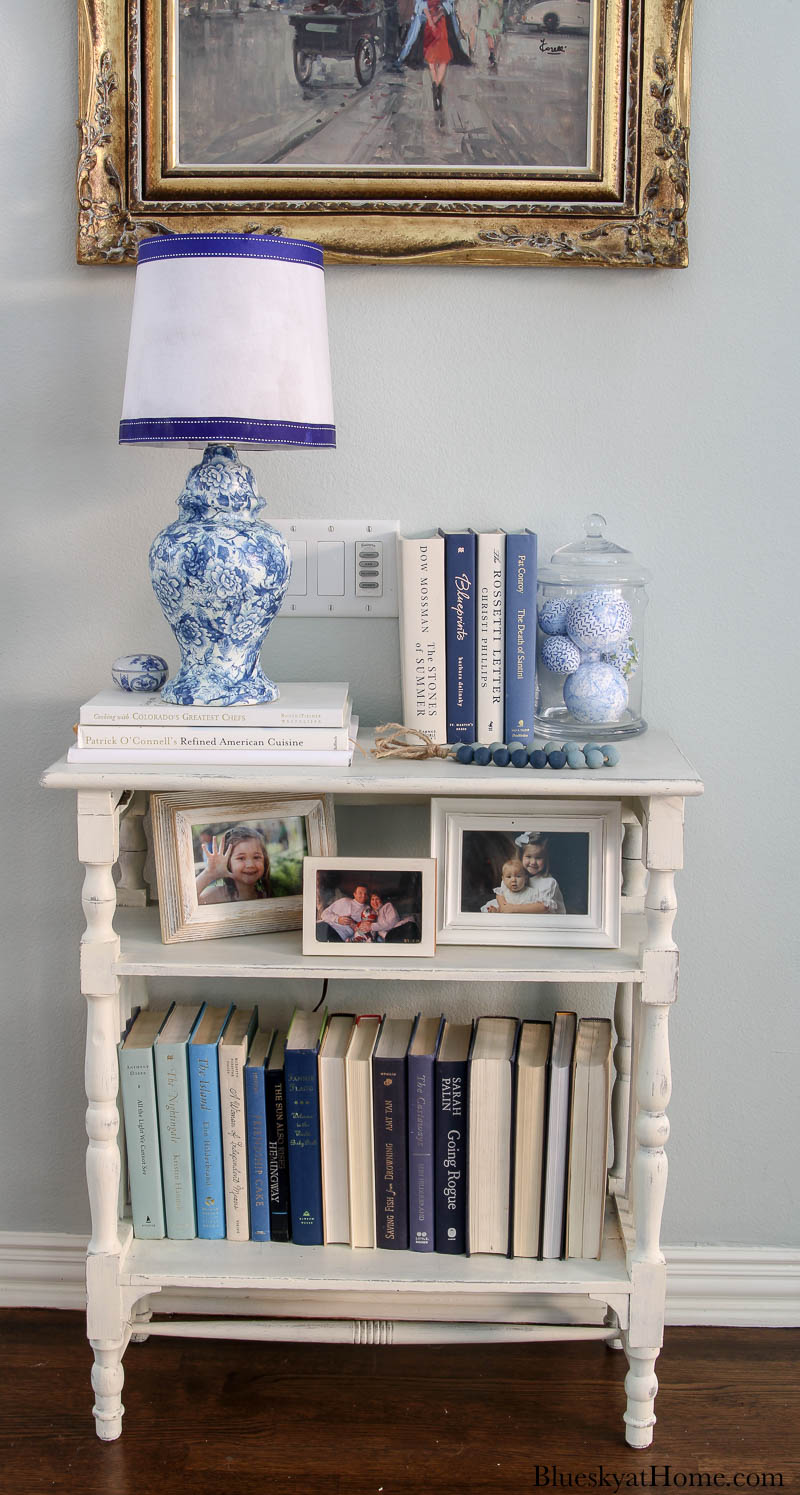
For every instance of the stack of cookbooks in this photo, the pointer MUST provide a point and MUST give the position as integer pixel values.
(310, 723)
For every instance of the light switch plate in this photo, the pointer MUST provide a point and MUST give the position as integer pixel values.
(357, 581)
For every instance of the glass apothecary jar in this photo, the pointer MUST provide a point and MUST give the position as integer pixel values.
(590, 639)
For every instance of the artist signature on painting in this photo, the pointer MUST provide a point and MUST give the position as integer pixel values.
(551, 51)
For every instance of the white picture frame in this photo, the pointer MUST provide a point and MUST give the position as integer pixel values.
(472, 841)
(408, 884)
(300, 826)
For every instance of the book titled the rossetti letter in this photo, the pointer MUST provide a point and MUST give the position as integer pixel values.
(520, 635)
(459, 625)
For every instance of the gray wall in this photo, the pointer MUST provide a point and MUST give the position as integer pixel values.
(668, 401)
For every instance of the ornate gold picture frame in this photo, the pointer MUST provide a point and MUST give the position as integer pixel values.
(563, 139)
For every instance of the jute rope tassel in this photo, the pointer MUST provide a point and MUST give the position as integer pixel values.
(389, 743)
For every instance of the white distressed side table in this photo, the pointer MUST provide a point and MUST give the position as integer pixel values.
(280, 1291)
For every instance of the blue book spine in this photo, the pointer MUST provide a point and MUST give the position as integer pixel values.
(277, 1155)
(175, 1129)
(420, 1152)
(460, 635)
(138, 1084)
(520, 636)
(305, 1152)
(450, 1160)
(390, 1131)
(258, 1177)
(209, 1175)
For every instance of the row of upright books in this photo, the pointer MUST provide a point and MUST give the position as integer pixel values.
(369, 1131)
(310, 722)
(468, 634)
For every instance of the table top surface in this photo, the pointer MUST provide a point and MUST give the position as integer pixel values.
(648, 765)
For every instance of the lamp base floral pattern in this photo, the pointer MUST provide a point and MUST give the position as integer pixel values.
(220, 576)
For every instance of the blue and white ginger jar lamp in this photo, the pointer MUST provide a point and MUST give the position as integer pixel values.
(591, 604)
(228, 348)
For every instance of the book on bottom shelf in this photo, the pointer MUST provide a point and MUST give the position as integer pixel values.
(559, 1068)
(333, 1129)
(175, 1120)
(302, 1121)
(277, 1141)
(209, 1176)
(492, 1074)
(255, 1107)
(360, 1143)
(529, 1137)
(421, 1059)
(588, 1139)
(233, 1048)
(450, 1097)
(390, 1122)
(138, 1085)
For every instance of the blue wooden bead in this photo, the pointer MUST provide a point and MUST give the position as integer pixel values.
(594, 758)
(519, 757)
(464, 753)
(611, 754)
(515, 745)
(482, 756)
(538, 758)
(552, 747)
(571, 743)
(557, 759)
(501, 757)
(575, 758)
(588, 745)
(493, 746)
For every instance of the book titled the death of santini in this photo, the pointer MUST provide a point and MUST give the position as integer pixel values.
(422, 636)
(175, 1120)
(209, 1176)
(302, 1114)
(520, 640)
(459, 612)
(138, 1085)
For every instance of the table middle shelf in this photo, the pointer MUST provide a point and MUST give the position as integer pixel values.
(279, 955)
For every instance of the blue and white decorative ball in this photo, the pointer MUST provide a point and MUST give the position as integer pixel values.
(625, 657)
(560, 655)
(553, 615)
(599, 619)
(145, 672)
(596, 692)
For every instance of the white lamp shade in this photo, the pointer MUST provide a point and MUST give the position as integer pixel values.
(229, 343)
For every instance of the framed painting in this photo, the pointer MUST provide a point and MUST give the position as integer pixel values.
(519, 132)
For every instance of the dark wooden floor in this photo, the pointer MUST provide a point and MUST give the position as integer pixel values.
(210, 1417)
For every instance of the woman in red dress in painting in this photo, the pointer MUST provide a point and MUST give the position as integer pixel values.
(434, 40)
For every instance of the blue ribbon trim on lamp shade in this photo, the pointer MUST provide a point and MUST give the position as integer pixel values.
(230, 246)
(228, 429)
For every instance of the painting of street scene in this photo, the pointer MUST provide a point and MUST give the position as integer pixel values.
(384, 83)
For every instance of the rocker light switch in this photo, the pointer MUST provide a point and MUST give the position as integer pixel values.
(341, 568)
(330, 568)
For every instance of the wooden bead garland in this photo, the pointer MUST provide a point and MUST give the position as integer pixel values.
(553, 755)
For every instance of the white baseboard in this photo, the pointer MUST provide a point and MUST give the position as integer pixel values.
(746, 1286)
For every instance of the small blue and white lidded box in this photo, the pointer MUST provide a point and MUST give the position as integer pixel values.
(591, 604)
